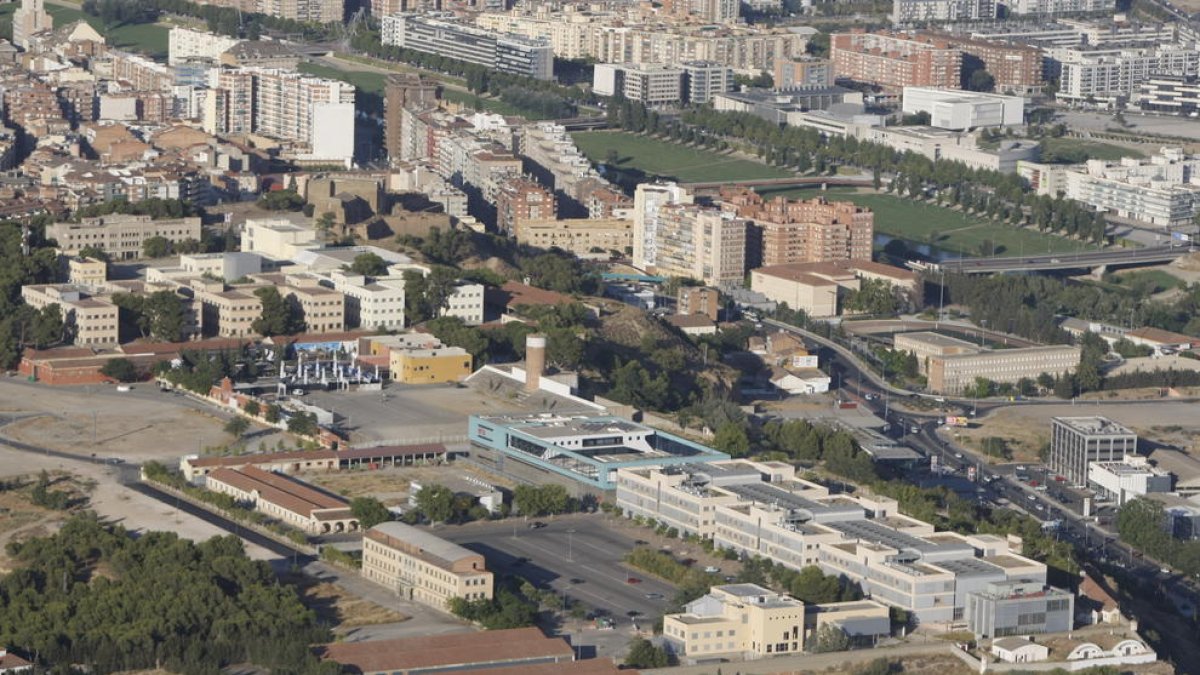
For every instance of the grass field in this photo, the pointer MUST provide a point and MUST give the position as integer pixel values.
(147, 39)
(1093, 149)
(6, 14)
(1147, 281)
(669, 160)
(941, 228)
(369, 82)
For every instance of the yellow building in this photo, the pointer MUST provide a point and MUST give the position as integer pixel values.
(89, 272)
(421, 567)
(584, 237)
(739, 621)
(429, 366)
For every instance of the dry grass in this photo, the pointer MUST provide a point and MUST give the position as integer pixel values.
(1024, 439)
(340, 609)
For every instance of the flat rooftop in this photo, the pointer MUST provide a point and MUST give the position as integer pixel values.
(936, 339)
(1094, 425)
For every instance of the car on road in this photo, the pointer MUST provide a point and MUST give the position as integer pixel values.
(124, 387)
(575, 580)
(633, 580)
(1030, 497)
(654, 596)
(958, 455)
(536, 525)
(640, 542)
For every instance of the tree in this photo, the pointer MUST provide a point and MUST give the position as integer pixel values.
(830, 638)
(369, 264)
(981, 80)
(369, 512)
(237, 426)
(533, 500)
(324, 224)
(47, 326)
(645, 654)
(273, 414)
(436, 502)
(119, 369)
(303, 424)
(164, 311)
(94, 252)
(252, 408)
(731, 437)
(281, 200)
(279, 317)
(156, 247)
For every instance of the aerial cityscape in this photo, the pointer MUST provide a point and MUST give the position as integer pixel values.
(687, 337)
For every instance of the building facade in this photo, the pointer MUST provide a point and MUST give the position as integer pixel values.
(1076, 442)
(421, 567)
(955, 374)
(962, 110)
(701, 243)
(896, 60)
(440, 365)
(803, 71)
(649, 201)
(503, 52)
(909, 12)
(285, 499)
(785, 231)
(1128, 479)
(583, 237)
(1019, 607)
(122, 237)
(739, 620)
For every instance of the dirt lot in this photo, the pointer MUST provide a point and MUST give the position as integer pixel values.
(21, 519)
(339, 609)
(1027, 428)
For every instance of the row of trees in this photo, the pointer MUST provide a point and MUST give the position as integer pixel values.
(510, 608)
(1003, 196)
(1143, 525)
(22, 326)
(162, 602)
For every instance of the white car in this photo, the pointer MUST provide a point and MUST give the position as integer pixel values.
(124, 387)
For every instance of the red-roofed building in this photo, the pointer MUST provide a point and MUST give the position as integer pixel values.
(11, 663)
(285, 499)
(524, 650)
(193, 467)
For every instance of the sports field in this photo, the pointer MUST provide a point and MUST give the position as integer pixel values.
(669, 160)
(945, 229)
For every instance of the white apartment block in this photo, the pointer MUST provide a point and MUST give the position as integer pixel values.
(1161, 190)
(184, 43)
(505, 53)
(1116, 74)
(704, 243)
(122, 237)
(277, 238)
(648, 202)
(375, 304)
(1053, 7)
(761, 509)
(906, 12)
(651, 84)
(466, 303)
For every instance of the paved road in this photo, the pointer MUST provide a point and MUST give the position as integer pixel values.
(1065, 261)
(592, 555)
(1080, 120)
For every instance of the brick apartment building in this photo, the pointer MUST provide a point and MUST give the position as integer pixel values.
(895, 60)
(785, 231)
(1015, 67)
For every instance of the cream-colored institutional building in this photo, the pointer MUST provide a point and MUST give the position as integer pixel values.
(953, 365)
(419, 566)
(762, 509)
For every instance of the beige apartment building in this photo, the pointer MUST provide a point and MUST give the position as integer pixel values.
(785, 231)
(740, 620)
(583, 237)
(230, 313)
(122, 237)
(324, 309)
(88, 272)
(418, 566)
(89, 321)
(701, 243)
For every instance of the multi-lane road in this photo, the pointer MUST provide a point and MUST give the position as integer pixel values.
(1064, 261)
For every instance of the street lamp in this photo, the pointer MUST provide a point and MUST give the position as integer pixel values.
(571, 545)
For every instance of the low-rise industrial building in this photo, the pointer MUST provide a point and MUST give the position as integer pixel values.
(586, 448)
(1019, 607)
(815, 287)
(421, 567)
(429, 366)
(194, 466)
(954, 374)
(511, 650)
(1076, 442)
(284, 499)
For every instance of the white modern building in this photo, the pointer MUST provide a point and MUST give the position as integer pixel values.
(505, 53)
(185, 43)
(648, 202)
(1115, 74)
(1128, 479)
(652, 84)
(961, 110)
(1053, 7)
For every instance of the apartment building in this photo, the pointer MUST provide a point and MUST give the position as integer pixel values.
(185, 43)
(896, 60)
(743, 621)
(285, 499)
(1016, 68)
(520, 199)
(747, 621)
(559, 163)
(1076, 442)
(1173, 94)
(323, 309)
(803, 71)
(909, 12)
(583, 237)
(31, 17)
(421, 567)
(122, 237)
(439, 365)
(698, 300)
(1160, 190)
(1115, 74)
(702, 80)
(761, 509)
(785, 231)
(502, 52)
(87, 272)
(649, 202)
(961, 110)
(88, 321)
(1056, 7)
(652, 84)
(229, 313)
(701, 243)
(404, 90)
(1019, 607)
(466, 303)
(141, 73)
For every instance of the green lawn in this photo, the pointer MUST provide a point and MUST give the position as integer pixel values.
(6, 14)
(1083, 149)
(669, 160)
(946, 229)
(371, 83)
(147, 38)
(491, 105)
(1145, 281)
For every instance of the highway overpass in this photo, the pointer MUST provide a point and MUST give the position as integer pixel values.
(1058, 261)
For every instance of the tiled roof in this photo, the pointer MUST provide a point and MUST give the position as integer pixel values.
(443, 652)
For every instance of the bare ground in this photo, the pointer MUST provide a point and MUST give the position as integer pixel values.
(340, 609)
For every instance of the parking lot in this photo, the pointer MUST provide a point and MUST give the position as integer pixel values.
(579, 555)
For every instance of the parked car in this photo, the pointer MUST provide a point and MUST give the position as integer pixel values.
(536, 525)
(712, 569)
(633, 580)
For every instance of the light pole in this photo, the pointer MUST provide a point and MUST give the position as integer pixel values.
(571, 545)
